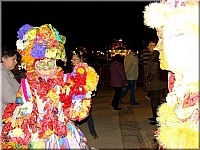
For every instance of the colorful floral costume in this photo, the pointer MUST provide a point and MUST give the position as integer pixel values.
(50, 104)
(177, 25)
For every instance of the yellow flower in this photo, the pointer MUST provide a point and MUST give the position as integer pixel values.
(84, 110)
(88, 94)
(6, 120)
(193, 87)
(52, 95)
(17, 132)
(39, 145)
(49, 132)
(34, 137)
(81, 70)
(66, 89)
(50, 53)
(91, 80)
(12, 144)
(31, 34)
(28, 59)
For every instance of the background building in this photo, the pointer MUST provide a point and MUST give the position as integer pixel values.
(118, 47)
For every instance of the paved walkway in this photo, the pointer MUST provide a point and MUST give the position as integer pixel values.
(125, 129)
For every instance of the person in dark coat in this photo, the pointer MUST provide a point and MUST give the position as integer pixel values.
(144, 57)
(153, 80)
(117, 79)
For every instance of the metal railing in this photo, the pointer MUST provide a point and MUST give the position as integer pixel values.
(105, 74)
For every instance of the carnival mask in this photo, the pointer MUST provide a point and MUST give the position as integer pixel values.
(45, 66)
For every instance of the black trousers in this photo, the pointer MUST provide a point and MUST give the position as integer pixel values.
(164, 92)
(90, 123)
(155, 102)
(116, 97)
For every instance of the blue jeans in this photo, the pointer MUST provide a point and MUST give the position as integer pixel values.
(132, 86)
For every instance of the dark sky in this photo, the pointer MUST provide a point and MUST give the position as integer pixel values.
(92, 24)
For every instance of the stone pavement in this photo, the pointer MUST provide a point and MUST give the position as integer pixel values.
(128, 128)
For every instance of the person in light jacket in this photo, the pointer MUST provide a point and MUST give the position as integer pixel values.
(131, 62)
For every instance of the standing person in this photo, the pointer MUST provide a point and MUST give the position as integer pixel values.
(153, 81)
(117, 79)
(50, 102)
(9, 84)
(144, 57)
(76, 60)
(131, 69)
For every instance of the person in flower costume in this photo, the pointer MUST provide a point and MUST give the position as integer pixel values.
(177, 25)
(52, 100)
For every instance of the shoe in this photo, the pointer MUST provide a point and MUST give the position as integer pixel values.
(134, 103)
(148, 97)
(153, 123)
(121, 102)
(152, 119)
(117, 108)
(95, 136)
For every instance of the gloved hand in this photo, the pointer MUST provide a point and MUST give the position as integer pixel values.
(22, 73)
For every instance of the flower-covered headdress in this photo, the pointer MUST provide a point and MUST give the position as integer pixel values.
(39, 43)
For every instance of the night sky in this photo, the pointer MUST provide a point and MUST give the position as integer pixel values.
(89, 24)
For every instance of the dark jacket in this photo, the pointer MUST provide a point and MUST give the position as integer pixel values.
(153, 80)
(118, 76)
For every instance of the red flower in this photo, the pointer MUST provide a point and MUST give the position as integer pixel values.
(7, 127)
(61, 129)
(9, 110)
(43, 87)
(190, 99)
(66, 100)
